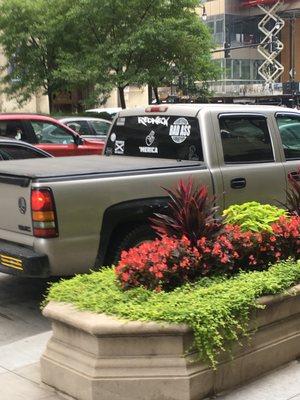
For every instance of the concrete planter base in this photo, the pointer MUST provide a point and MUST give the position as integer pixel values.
(93, 356)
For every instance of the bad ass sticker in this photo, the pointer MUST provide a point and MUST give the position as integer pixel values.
(180, 130)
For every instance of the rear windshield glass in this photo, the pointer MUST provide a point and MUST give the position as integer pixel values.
(158, 136)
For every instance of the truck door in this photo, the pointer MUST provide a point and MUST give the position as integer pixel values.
(250, 164)
(289, 129)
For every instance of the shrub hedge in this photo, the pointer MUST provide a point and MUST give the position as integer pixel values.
(253, 216)
(217, 309)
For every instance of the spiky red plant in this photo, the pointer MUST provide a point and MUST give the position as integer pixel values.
(191, 213)
(293, 195)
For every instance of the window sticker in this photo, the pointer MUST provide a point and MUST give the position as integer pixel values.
(121, 121)
(153, 121)
(180, 130)
(150, 138)
(113, 137)
(144, 149)
(193, 156)
(119, 146)
(149, 141)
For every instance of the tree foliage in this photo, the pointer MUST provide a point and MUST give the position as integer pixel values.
(102, 43)
(142, 41)
(30, 42)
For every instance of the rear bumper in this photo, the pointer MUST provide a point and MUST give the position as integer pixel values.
(22, 261)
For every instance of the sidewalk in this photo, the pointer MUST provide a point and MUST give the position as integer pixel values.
(20, 372)
(20, 377)
(281, 384)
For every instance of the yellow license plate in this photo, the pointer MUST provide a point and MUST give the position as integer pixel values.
(11, 262)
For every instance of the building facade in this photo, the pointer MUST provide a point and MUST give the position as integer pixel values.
(68, 102)
(37, 104)
(234, 26)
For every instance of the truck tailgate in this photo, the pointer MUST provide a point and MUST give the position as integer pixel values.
(15, 215)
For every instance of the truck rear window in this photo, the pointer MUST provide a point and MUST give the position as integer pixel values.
(157, 136)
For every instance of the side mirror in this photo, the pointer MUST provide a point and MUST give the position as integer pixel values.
(225, 134)
(78, 140)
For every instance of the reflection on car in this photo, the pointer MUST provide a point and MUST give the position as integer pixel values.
(289, 129)
(88, 127)
(11, 149)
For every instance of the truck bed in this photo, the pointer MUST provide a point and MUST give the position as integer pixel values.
(61, 167)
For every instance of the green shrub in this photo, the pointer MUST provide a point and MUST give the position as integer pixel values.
(253, 216)
(217, 309)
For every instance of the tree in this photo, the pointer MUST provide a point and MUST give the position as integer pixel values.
(60, 44)
(138, 42)
(29, 44)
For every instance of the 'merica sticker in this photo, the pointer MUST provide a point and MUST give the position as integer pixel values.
(180, 130)
(151, 150)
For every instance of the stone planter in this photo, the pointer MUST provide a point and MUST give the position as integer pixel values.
(93, 356)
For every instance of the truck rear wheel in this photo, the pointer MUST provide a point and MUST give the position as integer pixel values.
(130, 238)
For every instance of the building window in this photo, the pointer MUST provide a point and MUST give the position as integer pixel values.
(236, 69)
(245, 69)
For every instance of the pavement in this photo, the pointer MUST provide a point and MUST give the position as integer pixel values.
(281, 384)
(20, 376)
(20, 370)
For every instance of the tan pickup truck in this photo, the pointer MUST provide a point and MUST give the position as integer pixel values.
(61, 216)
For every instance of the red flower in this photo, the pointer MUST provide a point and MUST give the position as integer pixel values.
(168, 262)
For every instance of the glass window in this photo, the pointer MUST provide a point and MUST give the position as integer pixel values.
(10, 152)
(47, 132)
(245, 139)
(12, 130)
(219, 26)
(210, 26)
(173, 137)
(100, 127)
(245, 69)
(289, 128)
(82, 127)
(236, 71)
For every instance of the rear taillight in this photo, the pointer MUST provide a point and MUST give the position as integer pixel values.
(43, 213)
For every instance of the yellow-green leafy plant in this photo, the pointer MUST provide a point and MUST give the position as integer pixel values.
(253, 216)
(217, 309)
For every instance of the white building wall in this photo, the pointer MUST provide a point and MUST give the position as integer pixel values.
(38, 103)
(134, 97)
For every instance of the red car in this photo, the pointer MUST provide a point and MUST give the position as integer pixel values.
(47, 134)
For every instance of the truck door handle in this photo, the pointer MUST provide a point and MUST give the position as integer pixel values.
(238, 183)
(295, 175)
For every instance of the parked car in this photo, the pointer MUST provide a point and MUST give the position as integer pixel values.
(82, 213)
(47, 134)
(88, 127)
(109, 110)
(11, 149)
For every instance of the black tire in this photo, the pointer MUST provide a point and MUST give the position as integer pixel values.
(136, 235)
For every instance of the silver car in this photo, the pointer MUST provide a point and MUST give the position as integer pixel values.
(11, 149)
(89, 127)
